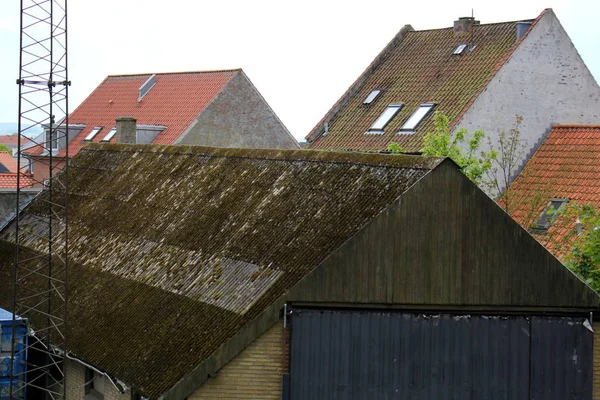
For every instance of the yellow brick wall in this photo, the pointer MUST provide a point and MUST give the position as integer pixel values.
(75, 384)
(596, 362)
(254, 374)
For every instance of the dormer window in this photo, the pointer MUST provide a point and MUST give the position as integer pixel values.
(549, 215)
(109, 135)
(460, 49)
(385, 117)
(411, 124)
(372, 96)
(93, 133)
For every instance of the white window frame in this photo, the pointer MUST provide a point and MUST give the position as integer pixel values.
(385, 118)
(460, 49)
(90, 136)
(372, 96)
(52, 137)
(417, 117)
(111, 133)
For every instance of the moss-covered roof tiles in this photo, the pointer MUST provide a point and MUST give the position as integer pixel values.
(174, 249)
(416, 67)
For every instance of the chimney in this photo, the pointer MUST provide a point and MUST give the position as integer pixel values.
(464, 24)
(522, 27)
(126, 130)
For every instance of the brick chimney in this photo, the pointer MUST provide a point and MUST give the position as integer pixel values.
(464, 24)
(126, 130)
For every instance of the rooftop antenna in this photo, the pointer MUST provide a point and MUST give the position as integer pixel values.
(40, 275)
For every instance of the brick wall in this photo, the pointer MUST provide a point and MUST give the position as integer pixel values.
(75, 384)
(254, 374)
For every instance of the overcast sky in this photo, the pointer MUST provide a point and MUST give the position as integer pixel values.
(301, 55)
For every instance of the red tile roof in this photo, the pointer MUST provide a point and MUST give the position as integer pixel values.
(417, 67)
(9, 181)
(174, 101)
(12, 140)
(566, 165)
(9, 162)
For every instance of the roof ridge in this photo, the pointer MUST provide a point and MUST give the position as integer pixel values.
(318, 156)
(479, 25)
(576, 126)
(177, 73)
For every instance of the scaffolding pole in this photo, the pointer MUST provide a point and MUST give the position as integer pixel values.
(40, 272)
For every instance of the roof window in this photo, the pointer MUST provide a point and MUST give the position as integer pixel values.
(93, 133)
(109, 135)
(414, 120)
(460, 49)
(145, 88)
(385, 117)
(549, 215)
(372, 96)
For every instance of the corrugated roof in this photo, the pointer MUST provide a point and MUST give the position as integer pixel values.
(174, 101)
(566, 165)
(175, 249)
(417, 67)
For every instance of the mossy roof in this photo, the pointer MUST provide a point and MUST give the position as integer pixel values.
(416, 67)
(174, 249)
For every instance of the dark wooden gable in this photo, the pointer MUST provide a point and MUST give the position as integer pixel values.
(444, 243)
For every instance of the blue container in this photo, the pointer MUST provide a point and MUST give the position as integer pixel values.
(20, 360)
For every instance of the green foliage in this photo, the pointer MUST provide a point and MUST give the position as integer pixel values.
(584, 258)
(4, 147)
(443, 143)
(510, 151)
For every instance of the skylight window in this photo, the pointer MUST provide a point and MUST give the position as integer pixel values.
(109, 135)
(372, 96)
(93, 133)
(385, 117)
(549, 215)
(417, 117)
(460, 49)
(145, 88)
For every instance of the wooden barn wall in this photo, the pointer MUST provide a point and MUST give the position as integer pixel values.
(444, 243)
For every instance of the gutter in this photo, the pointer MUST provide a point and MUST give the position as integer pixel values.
(119, 385)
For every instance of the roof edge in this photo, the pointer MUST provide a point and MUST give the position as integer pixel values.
(175, 73)
(503, 61)
(322, 156)
(315, 132)
(576, 126)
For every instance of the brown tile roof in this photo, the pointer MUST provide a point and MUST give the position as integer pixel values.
(8, 161)
(416, 67)
(566, 165)
(174, 249)
(174, 101)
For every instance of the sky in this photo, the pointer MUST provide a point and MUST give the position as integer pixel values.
(301, 55)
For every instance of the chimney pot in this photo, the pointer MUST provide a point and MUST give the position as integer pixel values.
(126, 130)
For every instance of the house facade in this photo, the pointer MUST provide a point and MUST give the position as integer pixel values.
(564, 169)
(209, 108)
(249, 273)
(480, 75)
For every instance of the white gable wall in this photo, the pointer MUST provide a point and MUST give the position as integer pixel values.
(545, 81)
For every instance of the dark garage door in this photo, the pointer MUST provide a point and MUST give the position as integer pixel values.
(392, 355)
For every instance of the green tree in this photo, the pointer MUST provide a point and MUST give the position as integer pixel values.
(4, 147)
(466, 154)
(584, 256)
(509, 150)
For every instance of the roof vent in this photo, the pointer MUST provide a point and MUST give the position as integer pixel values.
(145, 88)
(522, 27)
(464, 24)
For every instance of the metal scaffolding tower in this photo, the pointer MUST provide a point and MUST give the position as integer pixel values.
(40, 275)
